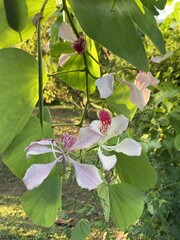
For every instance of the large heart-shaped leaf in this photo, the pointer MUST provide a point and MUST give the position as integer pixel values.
(19, 92)
(115, 27)
(8, 36)
(14, 155)
(136, 171)
(126, 204)
(103, 194)
(81, 230)
(42, 204)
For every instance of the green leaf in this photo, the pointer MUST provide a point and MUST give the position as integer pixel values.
(76, 79)
(43, 203)
(16, 14)
(103, 193)
(153, 4)
(8, 36)
(126, 204)
(81, 230)
(136, 171)
(120, 102)
(113, 29)
(19, 92)
(58, 48)
(177, 142)
(14, 155)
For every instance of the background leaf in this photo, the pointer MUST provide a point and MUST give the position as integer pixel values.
(126, 204)
(120, 102)
(81, 230)
(8, 36)
(42, 204)
(16, 14)
(19, 92)
(136, 171)
(103, 193)
(14, 155)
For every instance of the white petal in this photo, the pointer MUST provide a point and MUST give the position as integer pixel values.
(66, 32)
(36, 174)
(118, 125)
(87, 176)
(108, 162)
(153, 81)
(129, 147)
(105, 85)
(88, 136)
(142, 81)
(41, 147)
(158, 59)
(64, 58)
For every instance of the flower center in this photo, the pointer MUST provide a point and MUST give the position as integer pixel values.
(79, 45)
(105, 119)
(67, 140)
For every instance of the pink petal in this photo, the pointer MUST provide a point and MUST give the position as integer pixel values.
(87, 176)
(36, 174)
(158, 59)
(66, 32)
(108, 162)
(68, 140)
(142, 81)
(64, 58)
(41, 147)
(138, 97)
(118, 125)
(129, 147)
(105, 85)
(88, 136)
(105, 118)
(153, 81)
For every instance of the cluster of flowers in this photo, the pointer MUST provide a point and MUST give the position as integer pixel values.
(98, 133)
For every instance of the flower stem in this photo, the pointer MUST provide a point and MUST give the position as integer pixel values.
(64, 72)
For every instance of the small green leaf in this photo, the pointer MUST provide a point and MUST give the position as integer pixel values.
(19, 92)
(43, 203)
(103, 193)
(61, 47)
(14, 155)
(16, 14)
(81, 230)
(177, 142)
(136, 171)
(120, 102)
(126, 203)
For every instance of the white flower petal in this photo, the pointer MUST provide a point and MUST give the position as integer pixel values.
(158, 59)
(87, 176)
(36, 174)
(142, 80)
(41, 147)
(66, 32)
(118, 125)
(129, 147)
(108, 162)
(105, 85)
(88, 136)
(64, 58)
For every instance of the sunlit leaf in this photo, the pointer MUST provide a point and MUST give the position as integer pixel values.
(126, 204)
(43, 203)
(14, 155)
(8, 36)
(177, 142)
(81, 230)
(19, 92)
(16, 14)
(120, 102)
(136, 171)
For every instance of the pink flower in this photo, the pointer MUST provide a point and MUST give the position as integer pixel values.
(100, 131)
(139, 93)
(87, 175)
(78, 44)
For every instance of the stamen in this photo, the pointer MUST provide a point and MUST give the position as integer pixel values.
(79, 45)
